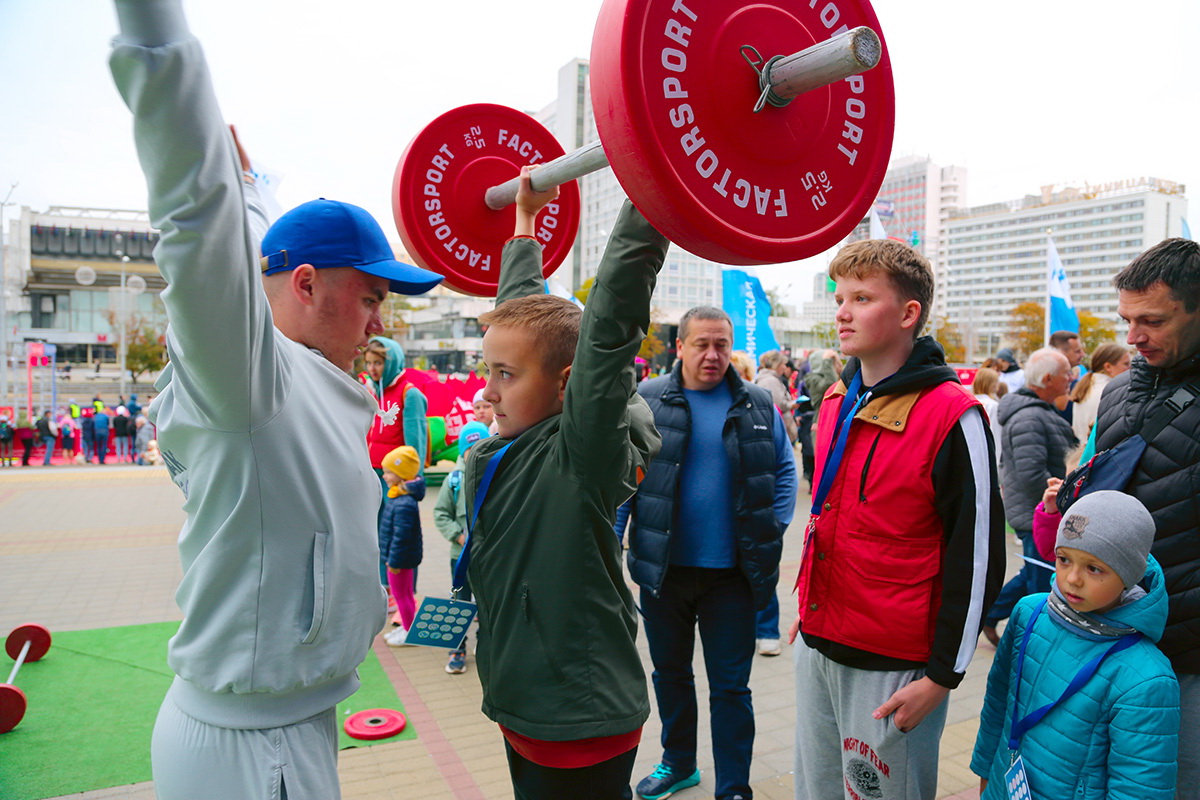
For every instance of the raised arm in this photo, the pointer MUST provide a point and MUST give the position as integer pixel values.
(221, 334)
(596, 423)
(521, 262)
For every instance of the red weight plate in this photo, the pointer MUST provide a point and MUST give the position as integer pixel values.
(37, 634)
(673, 99)
(377, 723)
(439, 186)
(12, 706)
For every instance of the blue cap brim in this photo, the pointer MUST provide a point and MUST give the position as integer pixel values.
(403, 278)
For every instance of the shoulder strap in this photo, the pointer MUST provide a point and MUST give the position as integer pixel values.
(1182, 397)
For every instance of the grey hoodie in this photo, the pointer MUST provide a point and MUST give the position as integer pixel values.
(280, 592)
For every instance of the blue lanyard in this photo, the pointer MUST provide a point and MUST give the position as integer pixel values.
(460, 569)
(840, 434)
(1021, 726)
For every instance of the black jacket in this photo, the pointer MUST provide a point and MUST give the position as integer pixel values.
(750, 444)
(1167, 482)
(1035, 440)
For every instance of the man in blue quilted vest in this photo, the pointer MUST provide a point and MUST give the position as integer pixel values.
(707, 530)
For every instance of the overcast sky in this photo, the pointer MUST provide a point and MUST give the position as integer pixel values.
(1021, 93)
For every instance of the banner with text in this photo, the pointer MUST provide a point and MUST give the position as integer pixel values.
(747, 305)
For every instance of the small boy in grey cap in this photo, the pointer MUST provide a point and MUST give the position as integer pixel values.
(1086, 653)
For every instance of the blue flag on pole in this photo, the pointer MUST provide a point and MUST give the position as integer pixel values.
(1062, 310)
(747, 305)
(1187, 229)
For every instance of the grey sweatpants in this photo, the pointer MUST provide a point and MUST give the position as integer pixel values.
(192, 760)
(842, 751)
(1187, 785)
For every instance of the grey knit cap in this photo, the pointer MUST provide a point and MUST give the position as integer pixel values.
(1113, 527)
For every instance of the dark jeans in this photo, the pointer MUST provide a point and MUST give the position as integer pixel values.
(1032, 579)
(767, 618)
(721, 601)
(608, 780)
(28, 445)
(804, 439)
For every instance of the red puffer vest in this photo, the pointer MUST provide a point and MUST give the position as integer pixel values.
(871, 567)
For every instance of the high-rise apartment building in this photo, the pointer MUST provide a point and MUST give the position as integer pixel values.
(916, 200)
(686, 280)
(996, 255)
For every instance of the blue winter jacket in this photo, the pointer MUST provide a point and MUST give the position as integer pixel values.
(400, 544)
(1114, 739)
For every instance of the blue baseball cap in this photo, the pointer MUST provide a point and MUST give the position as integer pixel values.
(327, 233)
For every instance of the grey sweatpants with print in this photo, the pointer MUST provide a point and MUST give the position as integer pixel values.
(192, 760)
(842, 751)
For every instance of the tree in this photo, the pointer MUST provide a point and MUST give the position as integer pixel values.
(1027, 327)
(778, 309)
(653, 344)
(826, 333)
(1095, 331)
(389, 311)
(951, 339)
(145, 345)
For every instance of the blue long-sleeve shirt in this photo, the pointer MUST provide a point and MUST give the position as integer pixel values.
(709, 475)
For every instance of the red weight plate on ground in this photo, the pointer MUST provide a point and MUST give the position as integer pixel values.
(38, 634)
(377, 723)
(438, 194)
(673, 99)
(12, 706)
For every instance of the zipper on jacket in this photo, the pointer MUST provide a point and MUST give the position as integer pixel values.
(527, 609)
(862, 485)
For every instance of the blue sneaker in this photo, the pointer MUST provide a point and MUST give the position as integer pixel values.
(664, 783)
(457, 664)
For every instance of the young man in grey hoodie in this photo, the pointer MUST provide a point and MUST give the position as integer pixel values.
(280, 594)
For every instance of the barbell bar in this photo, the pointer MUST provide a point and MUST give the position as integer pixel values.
(26, 643)
(847, 54)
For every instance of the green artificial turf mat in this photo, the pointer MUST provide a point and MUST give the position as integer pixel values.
(92, 704)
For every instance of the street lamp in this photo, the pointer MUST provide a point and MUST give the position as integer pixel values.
(4, 298)
(119, 252)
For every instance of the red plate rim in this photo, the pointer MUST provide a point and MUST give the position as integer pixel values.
(627, 127)
(392, 723)
(39, 635)
(405, 201)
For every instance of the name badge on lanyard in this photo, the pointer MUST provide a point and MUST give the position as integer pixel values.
(841, 433)
(1015, 781)
(443, 622)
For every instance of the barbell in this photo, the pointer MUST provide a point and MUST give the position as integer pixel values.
(735, 156)
(26, 643)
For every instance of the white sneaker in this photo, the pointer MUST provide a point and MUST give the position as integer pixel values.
(397, 637)
(769, 647)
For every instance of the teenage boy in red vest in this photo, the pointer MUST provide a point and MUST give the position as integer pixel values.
(904, 550)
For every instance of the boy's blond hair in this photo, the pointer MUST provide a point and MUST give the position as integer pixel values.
(907, 270)
(553, 322)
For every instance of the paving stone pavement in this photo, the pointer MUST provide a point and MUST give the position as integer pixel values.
(94, 546)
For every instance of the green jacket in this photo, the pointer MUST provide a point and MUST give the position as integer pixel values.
(450, 510)
(557, 623)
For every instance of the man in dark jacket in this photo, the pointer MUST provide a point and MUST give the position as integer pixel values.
(708, 523)
(1035, 441)
(1160, 299)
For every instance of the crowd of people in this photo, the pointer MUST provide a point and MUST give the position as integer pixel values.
(578, 460)
(95, 433)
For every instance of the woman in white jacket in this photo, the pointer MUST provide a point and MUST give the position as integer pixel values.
(1108, 361)
(986, 388)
